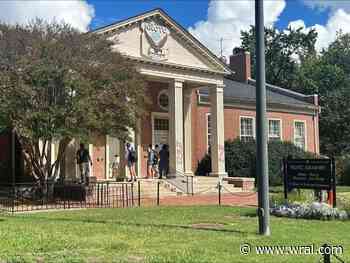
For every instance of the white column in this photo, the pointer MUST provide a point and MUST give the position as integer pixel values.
(107, 170)
(138, 147)
(91, 152)
(217, 124)
(176, 128)
(188, 131)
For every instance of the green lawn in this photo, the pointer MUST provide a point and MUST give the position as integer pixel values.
(164, 234)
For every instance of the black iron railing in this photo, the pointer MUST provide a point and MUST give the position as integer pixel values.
(53, 195)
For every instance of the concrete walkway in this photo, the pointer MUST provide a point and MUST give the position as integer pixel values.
(244, 199)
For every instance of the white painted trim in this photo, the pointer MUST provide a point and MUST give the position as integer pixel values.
(207, 132)
(174, 27)
(160, 115)
(171, 74)
(107, 175)
(91, 152)
(281, 127)
(248, 117)
(305, 132)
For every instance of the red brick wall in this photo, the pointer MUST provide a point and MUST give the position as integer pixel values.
(232, 129)
(199, 125)
(152, 92)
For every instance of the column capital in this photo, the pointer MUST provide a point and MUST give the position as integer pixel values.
(217, 89)
(178, 83)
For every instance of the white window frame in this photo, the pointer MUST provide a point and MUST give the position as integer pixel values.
(207, 130)
(305, 133)
(240, 122)
(158, 115)
(281, 127)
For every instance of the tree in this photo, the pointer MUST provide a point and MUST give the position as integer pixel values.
(327, 75)
(57, 84)
(284, 51)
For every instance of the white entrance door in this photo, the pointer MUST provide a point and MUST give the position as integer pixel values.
(160, 130)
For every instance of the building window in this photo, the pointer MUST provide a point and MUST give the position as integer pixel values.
(299, 134)
(163, 100)
(208, 130)
(161, 124)
(275, 130)
(247, 129)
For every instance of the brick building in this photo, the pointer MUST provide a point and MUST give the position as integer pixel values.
(197, 100)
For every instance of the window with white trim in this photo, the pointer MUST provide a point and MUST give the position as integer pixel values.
(208, 130)
(247, 129)
(275, 130)
(299, 134)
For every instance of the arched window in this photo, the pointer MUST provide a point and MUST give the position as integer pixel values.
(163, 100)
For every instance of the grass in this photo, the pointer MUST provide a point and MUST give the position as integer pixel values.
(158, 235)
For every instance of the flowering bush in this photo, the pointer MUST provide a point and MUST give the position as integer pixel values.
(315, 210)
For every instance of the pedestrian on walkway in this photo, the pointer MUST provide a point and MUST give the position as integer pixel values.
(83, 160)
(131, 159)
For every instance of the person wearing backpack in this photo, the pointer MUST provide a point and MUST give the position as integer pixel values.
(150, 161)
(156, 161)
(131, 159)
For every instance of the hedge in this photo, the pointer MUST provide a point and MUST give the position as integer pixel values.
(240, 158)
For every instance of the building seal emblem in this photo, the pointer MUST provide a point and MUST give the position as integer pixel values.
(157, 36)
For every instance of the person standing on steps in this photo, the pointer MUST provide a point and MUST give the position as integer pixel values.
(163, 161)
(83, 160)
(131, 159)
(156, 161)
(150, 162)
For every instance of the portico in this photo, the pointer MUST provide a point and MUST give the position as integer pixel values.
(174, 64)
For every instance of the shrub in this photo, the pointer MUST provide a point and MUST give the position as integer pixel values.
(315, 210)
(240, 158)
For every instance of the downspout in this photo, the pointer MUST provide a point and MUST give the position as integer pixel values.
(316, 119)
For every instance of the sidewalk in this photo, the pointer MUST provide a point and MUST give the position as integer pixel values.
(237, 199)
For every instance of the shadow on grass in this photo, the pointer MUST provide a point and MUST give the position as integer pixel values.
(121, 223)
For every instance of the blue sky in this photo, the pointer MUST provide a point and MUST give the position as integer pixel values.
(187, 13)
(208, 20)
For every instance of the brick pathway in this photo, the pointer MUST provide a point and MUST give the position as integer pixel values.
(236, 199)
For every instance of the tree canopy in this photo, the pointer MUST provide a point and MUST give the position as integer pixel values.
(293, 63)
(57, 84)
(284, 50)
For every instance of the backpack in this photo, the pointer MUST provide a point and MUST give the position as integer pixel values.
(155, 157)
(132, 156)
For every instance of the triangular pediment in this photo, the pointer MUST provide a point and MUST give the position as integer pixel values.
(155, 37)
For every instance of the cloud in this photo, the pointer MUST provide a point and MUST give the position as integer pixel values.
(338, 20)
(324, 5)
(226, 19)
(75, 12)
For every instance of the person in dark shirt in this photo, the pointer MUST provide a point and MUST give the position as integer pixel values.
(163, 161)
(83, 160)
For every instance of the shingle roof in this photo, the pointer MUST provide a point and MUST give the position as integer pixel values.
(274, 95)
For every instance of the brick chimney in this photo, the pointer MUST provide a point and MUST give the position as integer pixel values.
(240, 64)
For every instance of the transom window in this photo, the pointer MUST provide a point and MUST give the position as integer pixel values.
(161, 124)
(247, 128)
(163, 100)
(275, 130)
(299, 134)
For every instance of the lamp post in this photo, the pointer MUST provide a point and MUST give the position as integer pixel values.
(261, 127)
